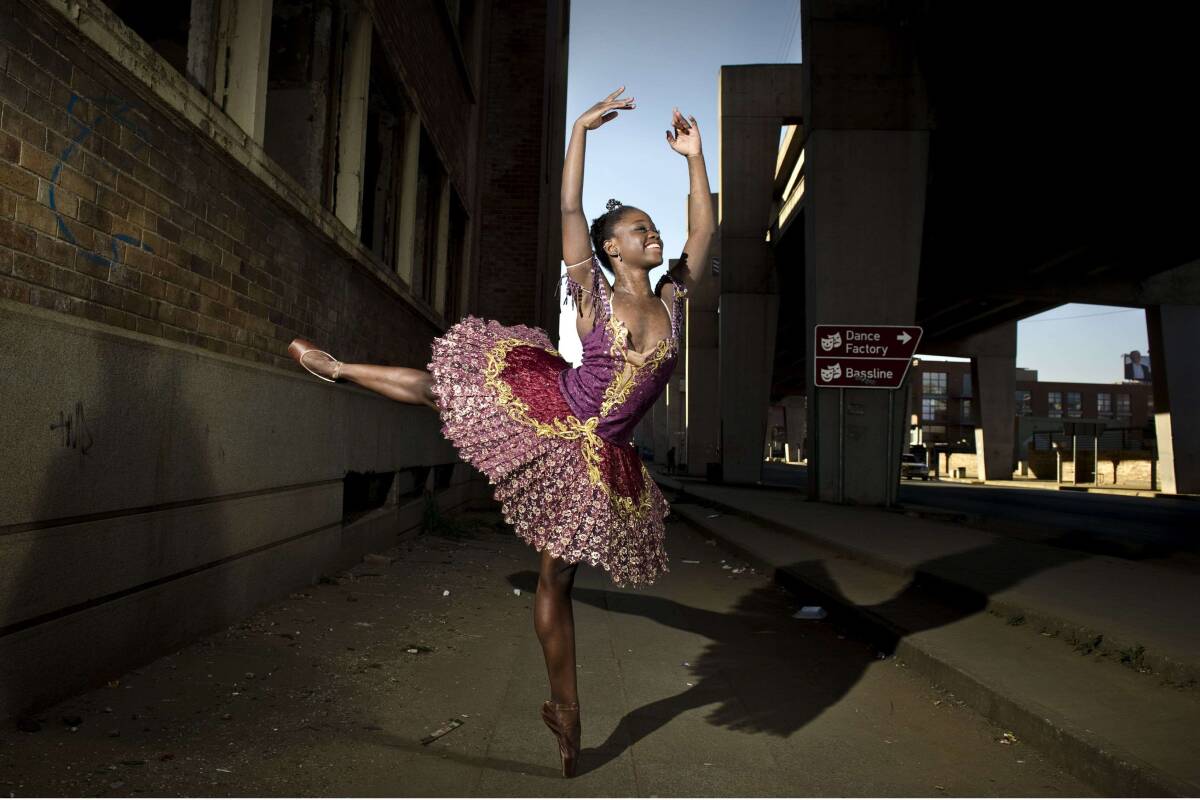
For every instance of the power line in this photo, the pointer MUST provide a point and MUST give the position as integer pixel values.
(1083, 316)
(794, 25)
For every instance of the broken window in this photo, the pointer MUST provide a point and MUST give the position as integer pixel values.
(431, 180)
(386, 117)
(456, 255)
(300, 80)
(163, 25)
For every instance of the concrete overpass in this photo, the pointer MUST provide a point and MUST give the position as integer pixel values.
(954, 172)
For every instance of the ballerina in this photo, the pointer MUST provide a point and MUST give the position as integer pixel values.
(554, 439)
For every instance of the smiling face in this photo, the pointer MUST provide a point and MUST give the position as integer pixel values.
(636, 239)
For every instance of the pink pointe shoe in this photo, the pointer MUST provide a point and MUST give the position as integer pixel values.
(563, 720)
(318, 362)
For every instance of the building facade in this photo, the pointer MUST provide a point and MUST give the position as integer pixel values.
(944, 419)
(184, 188)
(944, 410)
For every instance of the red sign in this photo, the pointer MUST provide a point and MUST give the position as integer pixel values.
(863, 356)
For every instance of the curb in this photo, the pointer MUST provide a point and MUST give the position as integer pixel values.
(1082, 488)
(1081, 753)
(948, 591)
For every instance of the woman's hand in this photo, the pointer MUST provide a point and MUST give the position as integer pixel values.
(605, 110)
(685, 138)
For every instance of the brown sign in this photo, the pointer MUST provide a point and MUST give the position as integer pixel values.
(863, 356)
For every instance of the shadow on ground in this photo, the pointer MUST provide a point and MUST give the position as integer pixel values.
(767, 699)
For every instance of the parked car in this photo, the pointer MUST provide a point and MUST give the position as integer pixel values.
(913, 467)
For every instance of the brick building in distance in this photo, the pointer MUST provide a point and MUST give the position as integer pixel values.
(943, 414)
(184, 188)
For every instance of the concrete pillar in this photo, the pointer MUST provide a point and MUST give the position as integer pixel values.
(747, 354)
(1175, 373)
(994, 383)
(352, 122)
(866, 153)
(675, 398)
(861, 181)
(244, 38)
(754, 103)
(702, 414)
(660, 430)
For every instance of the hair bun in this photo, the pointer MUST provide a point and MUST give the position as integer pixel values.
(611, 204)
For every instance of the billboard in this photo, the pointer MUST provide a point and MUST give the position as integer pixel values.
(1137, 366)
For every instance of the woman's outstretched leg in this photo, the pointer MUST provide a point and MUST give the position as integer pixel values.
(554, 621)
(402, 384)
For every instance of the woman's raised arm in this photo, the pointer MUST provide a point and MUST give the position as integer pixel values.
(576, 241)
(685, 140)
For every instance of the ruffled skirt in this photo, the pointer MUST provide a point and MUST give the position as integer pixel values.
(562, 487)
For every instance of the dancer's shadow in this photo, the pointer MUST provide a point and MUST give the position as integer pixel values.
(778, 683)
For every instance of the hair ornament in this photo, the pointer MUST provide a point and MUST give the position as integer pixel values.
(612, 204)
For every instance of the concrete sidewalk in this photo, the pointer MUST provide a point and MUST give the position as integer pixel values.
(1093, 658)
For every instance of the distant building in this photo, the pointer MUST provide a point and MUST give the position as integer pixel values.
(944, 410)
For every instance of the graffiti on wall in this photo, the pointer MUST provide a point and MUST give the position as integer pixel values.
(74, 428)
(115, 111)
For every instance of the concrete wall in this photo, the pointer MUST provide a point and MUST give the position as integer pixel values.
(1127, 469)
(154, 491)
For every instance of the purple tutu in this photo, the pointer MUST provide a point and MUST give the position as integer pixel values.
(552, 439)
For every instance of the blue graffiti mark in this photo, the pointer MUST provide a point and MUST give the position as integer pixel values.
(112, 108)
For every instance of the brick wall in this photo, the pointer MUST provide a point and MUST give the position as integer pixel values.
(421, 49)
(513, 155)
(114, 210)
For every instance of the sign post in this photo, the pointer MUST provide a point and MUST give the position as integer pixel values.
(858, 356)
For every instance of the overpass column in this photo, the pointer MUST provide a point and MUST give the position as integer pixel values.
(994, 383)
(863, 215)
(866, 115)
(1175, 371)
(754, 101)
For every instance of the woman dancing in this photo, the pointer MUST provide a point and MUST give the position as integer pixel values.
(554, 440)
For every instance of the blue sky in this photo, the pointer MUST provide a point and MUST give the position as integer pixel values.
(668, 53)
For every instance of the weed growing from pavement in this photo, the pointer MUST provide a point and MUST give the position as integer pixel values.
(1134, 657)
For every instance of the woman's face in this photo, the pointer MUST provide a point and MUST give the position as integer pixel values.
(637, 240)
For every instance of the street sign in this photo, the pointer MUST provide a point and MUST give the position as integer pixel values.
(863, 356)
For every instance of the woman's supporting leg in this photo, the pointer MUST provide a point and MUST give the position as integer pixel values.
(554, 622)
(405, 385)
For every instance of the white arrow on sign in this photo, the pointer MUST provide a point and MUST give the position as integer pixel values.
(904, 337)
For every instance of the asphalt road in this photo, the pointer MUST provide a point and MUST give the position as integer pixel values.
(702, 685)
(1155, 530)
